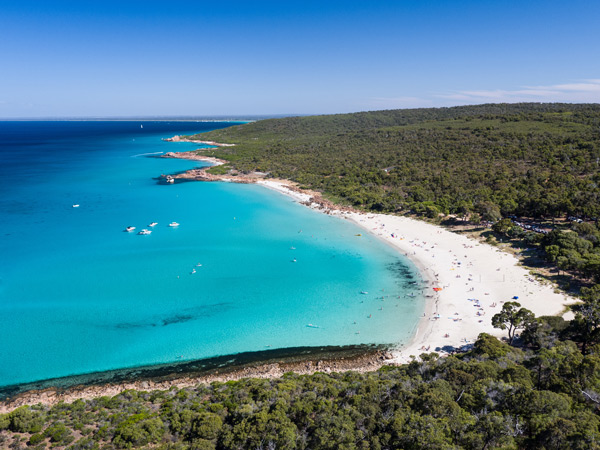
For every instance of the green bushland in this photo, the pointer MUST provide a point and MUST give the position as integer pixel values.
(544, 394)
(222, 169)
(493, 160)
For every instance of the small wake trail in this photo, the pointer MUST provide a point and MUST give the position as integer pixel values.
(146, 154)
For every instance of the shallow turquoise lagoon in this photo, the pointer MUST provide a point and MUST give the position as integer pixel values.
(78, 294)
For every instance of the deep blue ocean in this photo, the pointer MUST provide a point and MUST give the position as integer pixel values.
(79, 295)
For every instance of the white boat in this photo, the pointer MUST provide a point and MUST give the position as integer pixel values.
(310, 325)
(144, 231)
(141, 126)
(364, 292)
(75, 206)
(129, 229)
(153, 224)
(173, 224)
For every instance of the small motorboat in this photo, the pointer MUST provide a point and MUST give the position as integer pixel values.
(153, 224)
(173, 224)
(364, 292)
(129, 229)
(310, 325)
(144, 231)
(76, 206)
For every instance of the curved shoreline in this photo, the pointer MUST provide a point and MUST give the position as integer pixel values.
(475, 278)
(463, 268)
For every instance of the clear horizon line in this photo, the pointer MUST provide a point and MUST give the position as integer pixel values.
(254, 117)
(182, 118)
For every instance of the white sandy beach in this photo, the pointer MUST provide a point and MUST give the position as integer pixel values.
(475, 280)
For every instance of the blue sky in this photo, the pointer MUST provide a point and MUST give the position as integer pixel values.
(176, 58)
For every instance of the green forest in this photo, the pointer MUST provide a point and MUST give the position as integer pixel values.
(539, 160)
(544, 395)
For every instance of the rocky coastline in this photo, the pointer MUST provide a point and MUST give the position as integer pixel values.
(312, 199)
(266, 364)
(184, 139)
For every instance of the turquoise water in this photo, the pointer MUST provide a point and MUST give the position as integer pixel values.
(78, 294)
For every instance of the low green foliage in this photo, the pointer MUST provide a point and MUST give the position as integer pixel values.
(137, 430)
(222, 169)
(57, 432)
(36, 439)
(24, 420)
(490, 160)
(495, 396)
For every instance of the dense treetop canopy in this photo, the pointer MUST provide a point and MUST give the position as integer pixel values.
(495, 396)
(496, 159)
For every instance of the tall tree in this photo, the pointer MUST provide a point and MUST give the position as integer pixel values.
(512, 318)
(587, 317)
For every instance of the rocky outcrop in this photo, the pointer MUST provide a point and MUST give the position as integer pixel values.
(364, 362)
(181, 139)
